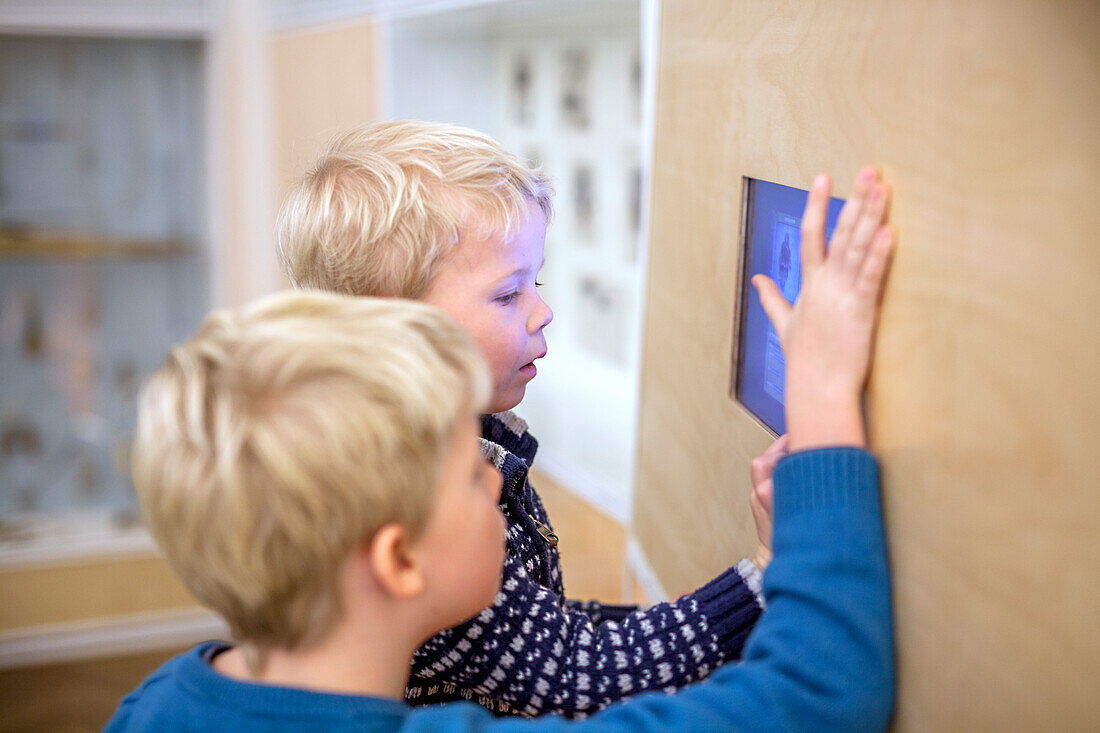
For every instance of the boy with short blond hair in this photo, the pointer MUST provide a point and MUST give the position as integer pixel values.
(298, 412)
(330, 584)
(443, 214)
(387, 202)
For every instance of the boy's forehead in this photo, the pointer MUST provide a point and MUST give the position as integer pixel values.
(494, 252)
(487, 254)
(498, 229)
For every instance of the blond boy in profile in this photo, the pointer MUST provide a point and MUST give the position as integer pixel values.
(308, 464)
(445, 215)
(311, 468)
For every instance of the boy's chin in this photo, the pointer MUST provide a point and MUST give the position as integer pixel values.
(502, 403)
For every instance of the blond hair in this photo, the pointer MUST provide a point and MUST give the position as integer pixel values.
(284, 435)
(388, 200)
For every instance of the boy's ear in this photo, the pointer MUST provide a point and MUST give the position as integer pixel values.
(394, 566)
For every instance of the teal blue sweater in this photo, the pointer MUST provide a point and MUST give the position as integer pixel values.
(820, 659)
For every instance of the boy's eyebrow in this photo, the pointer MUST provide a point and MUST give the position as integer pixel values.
(518, 271)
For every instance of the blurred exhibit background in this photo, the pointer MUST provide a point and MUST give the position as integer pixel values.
(144, 150)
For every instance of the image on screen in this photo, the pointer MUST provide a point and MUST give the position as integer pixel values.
(772, 246)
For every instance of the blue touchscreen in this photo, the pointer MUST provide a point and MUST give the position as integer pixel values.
(774, 216)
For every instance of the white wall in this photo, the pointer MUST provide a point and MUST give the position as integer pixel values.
(462, 67)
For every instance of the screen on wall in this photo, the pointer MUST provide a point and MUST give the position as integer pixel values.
(770, 242)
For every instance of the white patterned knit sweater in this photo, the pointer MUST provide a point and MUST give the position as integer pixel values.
(533, 652)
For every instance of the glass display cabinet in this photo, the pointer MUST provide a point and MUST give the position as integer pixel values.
(101, 269)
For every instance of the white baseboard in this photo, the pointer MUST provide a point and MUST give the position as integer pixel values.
(108, 637)
(638, 565)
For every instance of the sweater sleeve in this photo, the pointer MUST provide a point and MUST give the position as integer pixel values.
(821, 658)
(598, 612)
(533, 654)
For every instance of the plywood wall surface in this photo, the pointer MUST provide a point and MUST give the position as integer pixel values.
(985, 395)
(325, 80)
(88, 592)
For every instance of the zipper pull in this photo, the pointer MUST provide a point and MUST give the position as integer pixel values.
(546, 532)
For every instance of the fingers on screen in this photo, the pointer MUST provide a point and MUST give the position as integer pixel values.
(813, 223)
(771, 298)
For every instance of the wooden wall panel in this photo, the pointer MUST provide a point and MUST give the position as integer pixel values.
(325, 80)
(88, 592)
(985, 395)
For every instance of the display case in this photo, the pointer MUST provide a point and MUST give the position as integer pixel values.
(102, 268)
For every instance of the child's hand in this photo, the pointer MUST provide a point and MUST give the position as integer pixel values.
(828, 334)
(760, 500)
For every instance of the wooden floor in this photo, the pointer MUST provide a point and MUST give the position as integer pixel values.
(592, 545)
(80, 697)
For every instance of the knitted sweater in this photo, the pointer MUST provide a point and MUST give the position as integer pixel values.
(534, 652)
(821, 659)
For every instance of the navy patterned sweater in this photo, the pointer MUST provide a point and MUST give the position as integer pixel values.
(533, 652)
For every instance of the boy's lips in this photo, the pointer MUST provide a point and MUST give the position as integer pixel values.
(529, 369)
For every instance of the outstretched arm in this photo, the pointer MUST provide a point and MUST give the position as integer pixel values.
(536, 656)
(822, 658)
(599, 612)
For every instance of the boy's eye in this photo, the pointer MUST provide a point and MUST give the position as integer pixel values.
(538, 284)
(507, 299)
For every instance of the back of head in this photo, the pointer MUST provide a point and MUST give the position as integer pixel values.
(387, 200)
(283, 435)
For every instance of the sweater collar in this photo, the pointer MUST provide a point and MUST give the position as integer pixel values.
(507, 431)
(196, 674)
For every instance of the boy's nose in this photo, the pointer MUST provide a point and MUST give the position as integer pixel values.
(540, 317)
